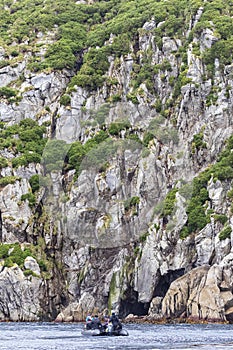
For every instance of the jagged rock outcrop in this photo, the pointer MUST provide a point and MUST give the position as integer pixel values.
(104, 237)
(14, 213)
(203, 293)
(20, 295)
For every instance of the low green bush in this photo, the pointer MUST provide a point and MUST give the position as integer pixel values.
(3, 163)
(220, 218)
(30, 197)
(9, 180)
(197, 142)
(184, 233)
(92, 73)
(25, 140)
(54, 155)
(116, 127)
(225, 233)
(147, 137)
(13, 254)
(7, 92)
(28, 273)
(4, 63)
(60, 55)
(169, 202)
(34, 182)
(65, 100)
(131, 202)
(26, 159)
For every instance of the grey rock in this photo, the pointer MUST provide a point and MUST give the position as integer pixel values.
(19, 299)
(108, 250)
(31, 264)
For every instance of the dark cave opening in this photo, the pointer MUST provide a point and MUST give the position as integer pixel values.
(132, 306)
(130, 303)
(165, 281)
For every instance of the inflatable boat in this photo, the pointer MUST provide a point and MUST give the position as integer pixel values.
(98, 332)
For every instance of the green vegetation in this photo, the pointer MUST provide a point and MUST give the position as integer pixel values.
(131, 203)
(27, 143)
(225, 233)
(116, 127)
(54, 155)
(25, 140)
(30, 197)
(143, 237)
(7, 92)
(147, 137)
(197, 142)
(218, 16)
(196, 209)
(83, 39)
(169, 202)
(213, 96)
(100, 115)
(28, 272)
(34, 182)
(3, 163)
(91, 74)
(163, 134)
(77, 27)
(65, 100)
(198, 196)
(13, 254)
(220, 218)
(6, 180)
(78, 151)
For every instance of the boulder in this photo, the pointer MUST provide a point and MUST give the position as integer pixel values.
(31, 264)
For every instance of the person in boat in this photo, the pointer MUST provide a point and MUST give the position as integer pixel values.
(116, 325)
(95, 323)
(106, 322)
(88, 322)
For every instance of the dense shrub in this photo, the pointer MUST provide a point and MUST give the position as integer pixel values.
(54, 155)
(25, 140)
(13, 254)
(4, 63)
(75, 155)
(222, 170)
(77, 151)
(91, 74)
(147, 137)
(27, 158)
(60, 56)
(6, 180)
(169, 202)
(100, 115)
(65, 100)
(34, 182)
(7, 92)
(3, 163)
(220, 218)
(116, 127)
(197, 142)
(30, 197)
(225, 233)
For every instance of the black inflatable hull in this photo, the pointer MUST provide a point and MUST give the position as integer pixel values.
(98, 333)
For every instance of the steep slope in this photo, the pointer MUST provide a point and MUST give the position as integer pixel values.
(116, 158)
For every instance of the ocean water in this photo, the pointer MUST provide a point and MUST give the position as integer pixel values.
(60, 336)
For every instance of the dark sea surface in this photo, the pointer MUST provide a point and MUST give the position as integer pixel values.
(56, 336)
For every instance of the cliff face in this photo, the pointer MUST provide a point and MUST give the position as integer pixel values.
(114, 218)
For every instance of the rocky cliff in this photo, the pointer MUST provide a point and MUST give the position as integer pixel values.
(116, 161)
